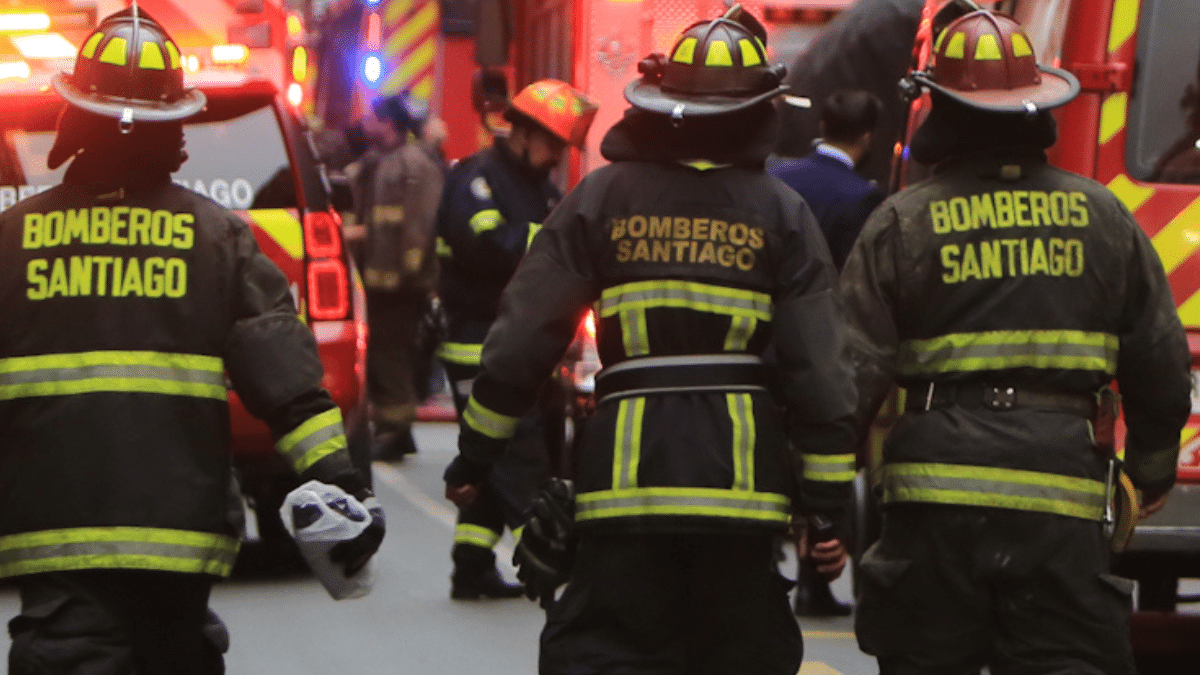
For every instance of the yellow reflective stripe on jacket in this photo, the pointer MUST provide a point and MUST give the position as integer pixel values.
(630, 302)
(142, 548)
(476, 535)
(488, 422)
(996, 487)
(741, 414)
(112, 371)
(534, 228)
(683, 501)
(462, 353)
(488, 219)
(321, 435)
(997, 350)
(627, 444)
(831, 468)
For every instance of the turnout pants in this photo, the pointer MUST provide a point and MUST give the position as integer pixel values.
(393, 370)
(116, 622)
(949, 589)
(667, 604)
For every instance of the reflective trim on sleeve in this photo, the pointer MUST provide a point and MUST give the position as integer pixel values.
(627, 444)
(488, 422)
(462, 353)
(999, 350)
(387, 215)
(682, 501)
(741, 414)
(142, 548)
(112, 371)
(488, 219)
(534, 228)
(476, 535)
(829, 468)
(995, 487)
(321, 435)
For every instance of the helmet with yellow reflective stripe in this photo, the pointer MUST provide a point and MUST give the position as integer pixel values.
(130, 69)
(716, 67)
(985, 60)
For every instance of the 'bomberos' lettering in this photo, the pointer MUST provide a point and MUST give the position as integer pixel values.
(117, 276)
(678, 239)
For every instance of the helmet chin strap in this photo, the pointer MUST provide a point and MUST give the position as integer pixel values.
(125, 124)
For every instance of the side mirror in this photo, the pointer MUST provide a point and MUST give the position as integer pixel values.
(489, 91)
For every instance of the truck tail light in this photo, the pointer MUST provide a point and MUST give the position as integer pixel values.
(328, 278)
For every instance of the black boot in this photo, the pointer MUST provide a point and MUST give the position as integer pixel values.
(475, 575)
(813, 597)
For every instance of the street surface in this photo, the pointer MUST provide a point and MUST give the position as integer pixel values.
(287, 624)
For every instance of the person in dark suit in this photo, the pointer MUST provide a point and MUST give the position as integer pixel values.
(841, 200)
(839, 197)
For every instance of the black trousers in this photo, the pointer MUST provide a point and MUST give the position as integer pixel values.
(949, 589)
(394, 370)
(672, 604)
(116, 622)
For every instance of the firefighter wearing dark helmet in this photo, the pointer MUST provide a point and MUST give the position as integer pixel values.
(1006, 296)
(492, 208)
(694, 259)
(127, 302)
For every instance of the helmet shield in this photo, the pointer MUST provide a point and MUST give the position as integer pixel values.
(715, 67)
(129, 69)
(985, 60)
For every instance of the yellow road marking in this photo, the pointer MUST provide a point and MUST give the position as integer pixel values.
(829, 634)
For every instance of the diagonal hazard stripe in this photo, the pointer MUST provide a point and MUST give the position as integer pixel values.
(416, 29)
(1179, 239)
(283, 226)
(418, 63)
(396, 10)
(1130, 193)
(1124, 23)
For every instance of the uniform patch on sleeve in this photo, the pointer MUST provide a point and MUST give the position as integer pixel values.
(481, 189)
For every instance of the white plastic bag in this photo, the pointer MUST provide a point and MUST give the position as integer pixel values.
(319, 516)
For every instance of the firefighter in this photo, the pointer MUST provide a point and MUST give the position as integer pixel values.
(1005, 296)
(127, 301)
(494, 203)
(694, 258)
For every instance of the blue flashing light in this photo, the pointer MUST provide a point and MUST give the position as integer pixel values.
(372, 70)
(370, 3)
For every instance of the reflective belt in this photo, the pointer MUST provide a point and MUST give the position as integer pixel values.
(630, 302)
(112, 371)
(1000, 350)
(996, 487)
(476, 535)
(142, 548)
(765, 507)
(321, 435)
(682, 374)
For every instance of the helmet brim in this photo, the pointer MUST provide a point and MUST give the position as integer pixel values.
(189, 104)
(1058, 87)
(652, 98)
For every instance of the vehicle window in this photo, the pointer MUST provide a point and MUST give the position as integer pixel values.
(236, 157)
(1163, 138)
(240, 162)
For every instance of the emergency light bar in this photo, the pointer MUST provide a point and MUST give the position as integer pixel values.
(43, 46)
(230, 54)
(24, 22)
(14, 70)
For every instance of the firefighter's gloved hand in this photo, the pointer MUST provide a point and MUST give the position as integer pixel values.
(546, 551)
(355, 553)
(463, 477)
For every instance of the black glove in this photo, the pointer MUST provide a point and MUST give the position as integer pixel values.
(546, 551)
(355, 553)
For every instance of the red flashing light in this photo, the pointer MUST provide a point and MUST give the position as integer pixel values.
(328, 290)
(589, 323)
(373, 31)
(321, 236)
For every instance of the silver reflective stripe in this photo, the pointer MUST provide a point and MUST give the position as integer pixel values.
(998, 350)
(667, 501)
(476, 535)
(117, 548)
(995, 487)
(829, 468)
(321, 435)
(627, 445)
(112, 371)
(741, 414)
